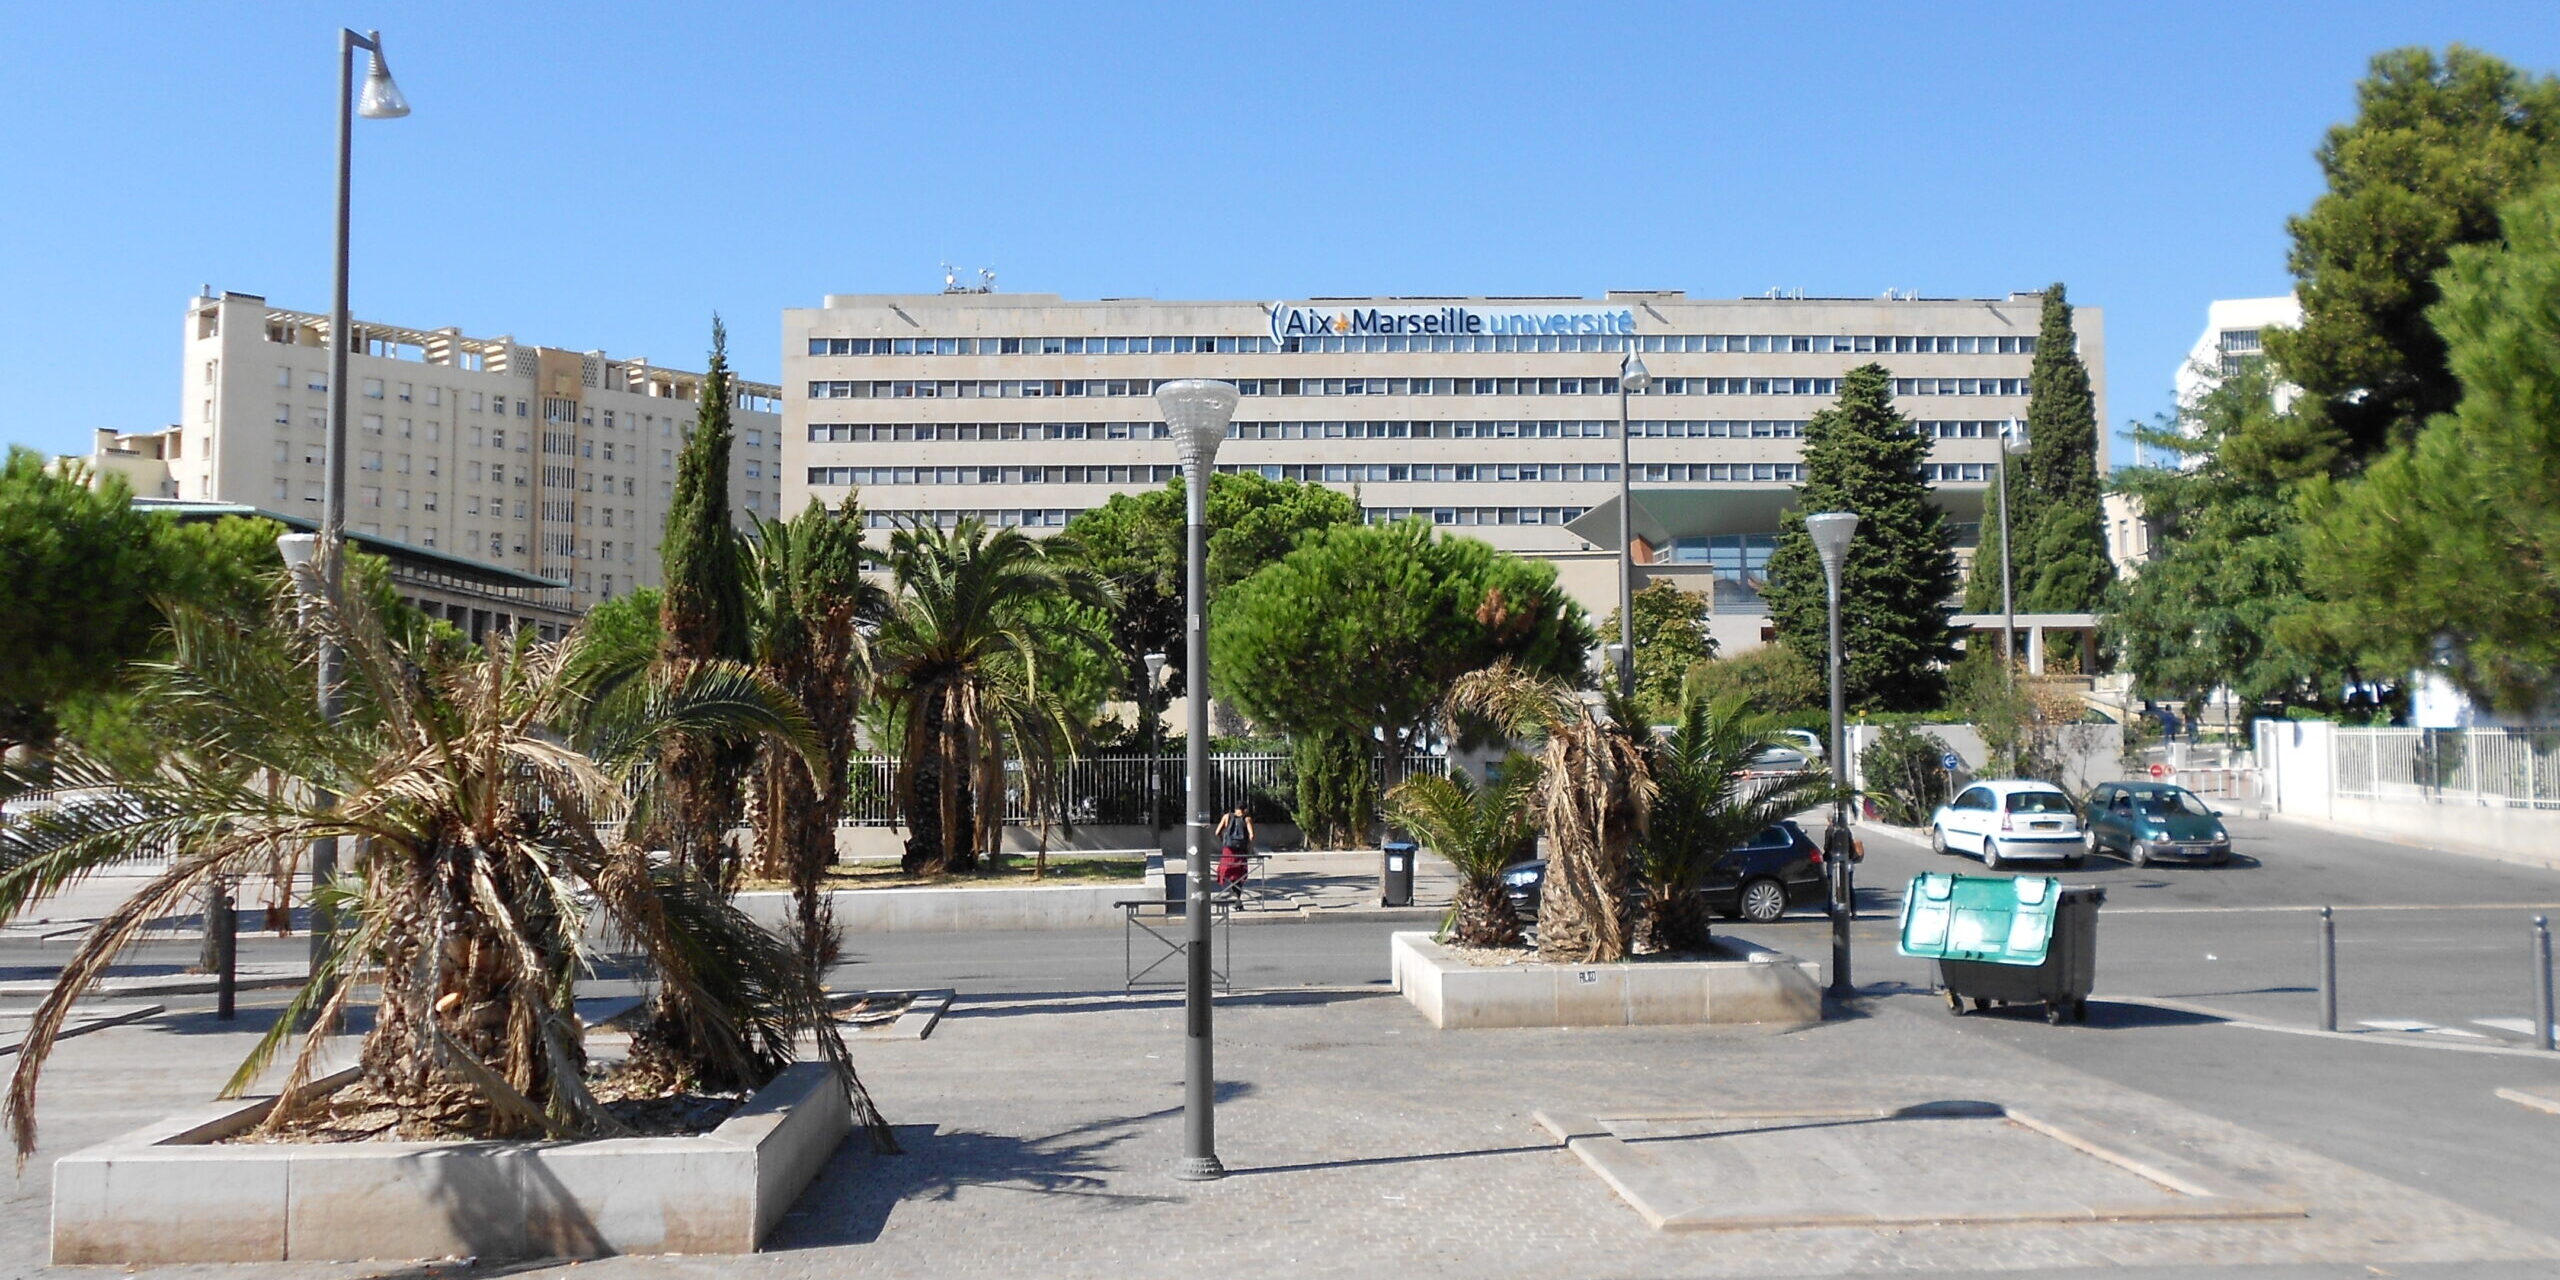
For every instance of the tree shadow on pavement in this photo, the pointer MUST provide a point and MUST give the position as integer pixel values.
(852, 1198)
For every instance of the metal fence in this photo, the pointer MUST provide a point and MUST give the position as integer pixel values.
(2507, 768)
(1121, 790)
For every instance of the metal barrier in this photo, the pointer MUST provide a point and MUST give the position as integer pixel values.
(2510, 768)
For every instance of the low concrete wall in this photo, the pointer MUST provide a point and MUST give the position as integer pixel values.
(872, 843)
(164, 1194)
(1753, 986)
(2090, 753)
(2300, 761)
(933, 910)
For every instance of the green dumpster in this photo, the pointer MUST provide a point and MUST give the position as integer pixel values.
(2006, 939)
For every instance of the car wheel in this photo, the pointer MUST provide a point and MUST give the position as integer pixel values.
(1937, 840)
(2142, 853)
(1762, 901)
(1990, 854)
(2089, 840)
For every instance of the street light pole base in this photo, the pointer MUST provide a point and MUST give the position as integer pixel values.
(1199, 1169)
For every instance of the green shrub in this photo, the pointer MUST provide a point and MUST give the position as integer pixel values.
(1773, 678)
(1906, 774)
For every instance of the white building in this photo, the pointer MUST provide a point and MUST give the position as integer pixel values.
(2234, 337)
(553, 463)
(1495, 416)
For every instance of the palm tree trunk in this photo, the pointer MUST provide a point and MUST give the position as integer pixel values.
(1485, 917)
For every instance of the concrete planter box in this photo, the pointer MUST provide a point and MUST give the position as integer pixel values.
(936, 910)
(1751, 986)
(165, 1193)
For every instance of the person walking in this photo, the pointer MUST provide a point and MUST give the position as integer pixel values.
(1235, 848)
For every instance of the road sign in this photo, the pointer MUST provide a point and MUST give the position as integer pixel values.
(2159, 771)
(1951, 762)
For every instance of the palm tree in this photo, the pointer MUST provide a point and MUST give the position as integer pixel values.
(1704, 807)
(1479, 830)
(807, 605)
(488, 871)
(972, 619)
(1593, 792)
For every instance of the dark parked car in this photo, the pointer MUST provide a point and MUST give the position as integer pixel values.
(1780, 868)
(2155, 822)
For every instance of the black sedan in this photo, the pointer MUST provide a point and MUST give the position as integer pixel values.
(1780, 868)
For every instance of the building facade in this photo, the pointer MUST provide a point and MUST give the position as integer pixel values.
(1494, 417)
(551, 463)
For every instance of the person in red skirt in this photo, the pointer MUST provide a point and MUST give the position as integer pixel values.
(1235, 847)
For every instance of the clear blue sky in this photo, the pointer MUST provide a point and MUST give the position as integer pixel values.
(608, 175)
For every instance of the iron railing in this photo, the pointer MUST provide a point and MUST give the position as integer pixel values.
(1120, 790)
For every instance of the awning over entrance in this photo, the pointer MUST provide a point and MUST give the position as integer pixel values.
(1666, 513)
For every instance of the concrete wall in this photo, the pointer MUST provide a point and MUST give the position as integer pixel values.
(2299, 759)
(868, 844)
(2091, 753)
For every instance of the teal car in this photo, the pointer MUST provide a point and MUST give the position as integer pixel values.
(2155, 822)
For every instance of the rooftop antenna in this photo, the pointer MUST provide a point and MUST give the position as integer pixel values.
(986, 279)
(951, 279)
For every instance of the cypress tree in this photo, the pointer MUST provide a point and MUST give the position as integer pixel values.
(704, 619)
(1861, 455)
(2058, 560)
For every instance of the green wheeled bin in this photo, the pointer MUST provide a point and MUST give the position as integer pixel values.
(2006, 939)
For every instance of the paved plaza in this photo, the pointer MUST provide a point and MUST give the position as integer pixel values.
(1040, 1133)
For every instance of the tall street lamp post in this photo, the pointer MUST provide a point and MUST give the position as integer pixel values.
(1831, 531)
(1197, 409)
(1632, 377)
(381, 100)
(1154, 713)
(2013, 441)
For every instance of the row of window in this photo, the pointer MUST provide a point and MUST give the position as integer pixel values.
(1479, 472)
(555, 409)
(1057, 517)
(1473, 515)
(1324, 473)
(1489, 429)
(1038, 388)
(1894, 343)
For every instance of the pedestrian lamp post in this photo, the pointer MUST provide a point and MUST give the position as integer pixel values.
(1632, 377)
(1831, 531)
(1197, 409)
(2013, 441)
(380, 100)
(1155, 748)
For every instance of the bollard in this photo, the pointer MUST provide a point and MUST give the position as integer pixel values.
(2542, 983)
(2328, 970)
(222, 921)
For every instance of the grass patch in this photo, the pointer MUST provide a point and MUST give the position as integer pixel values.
(1014, 872)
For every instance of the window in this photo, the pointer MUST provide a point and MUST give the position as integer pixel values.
(373, 388)
(284, 377)
(403, 392)
(370, 496)
(435, 395)
(373, 424)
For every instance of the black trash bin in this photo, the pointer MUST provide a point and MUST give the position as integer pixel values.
(1395, 873)
(2029, 940)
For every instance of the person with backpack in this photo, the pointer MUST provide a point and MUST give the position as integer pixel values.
(1235, 848)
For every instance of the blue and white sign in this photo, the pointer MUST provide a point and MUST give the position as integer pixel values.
(1951, 762)
(1305, 320)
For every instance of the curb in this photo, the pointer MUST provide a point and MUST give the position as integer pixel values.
(176, 984)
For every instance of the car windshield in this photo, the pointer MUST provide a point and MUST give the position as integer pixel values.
(2171, 803)
(2039, 802)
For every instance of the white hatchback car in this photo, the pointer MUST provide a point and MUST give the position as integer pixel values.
(2009, 820)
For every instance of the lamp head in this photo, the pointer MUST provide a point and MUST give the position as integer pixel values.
(1633, 375)
(381, 99)
(1155, 668)
(1617, 654)
(298, 549)
(2013, 437)
(1197, 409)
(1830, 531)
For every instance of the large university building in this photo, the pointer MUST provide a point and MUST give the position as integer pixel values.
(550, 463)
(1496, 417)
